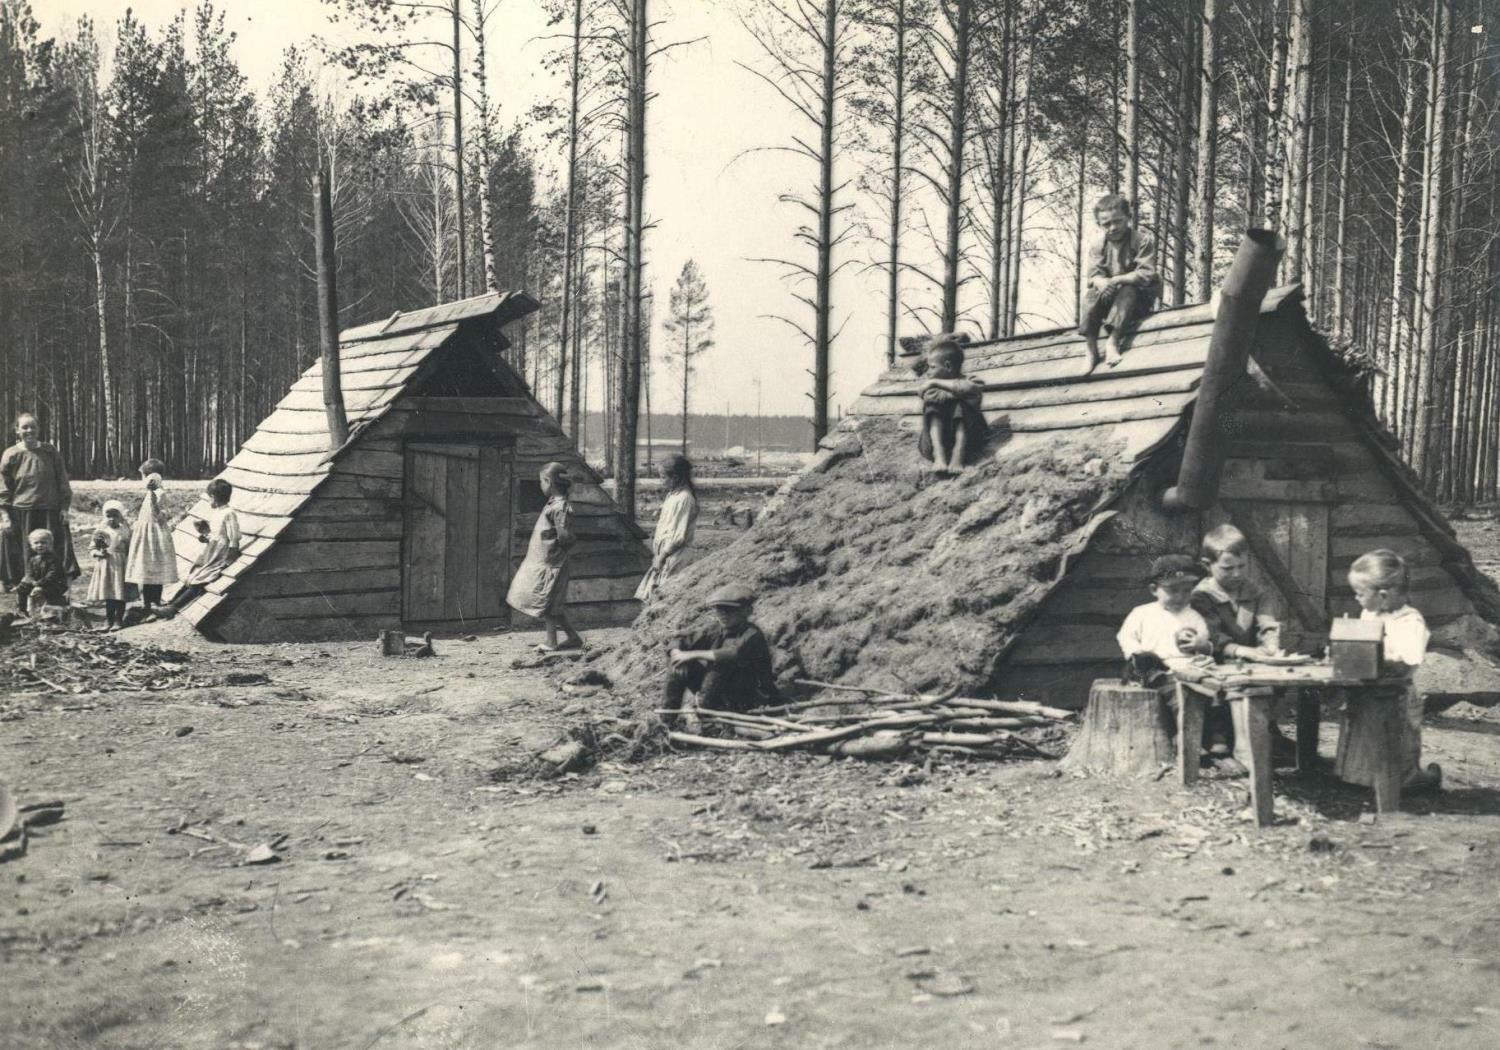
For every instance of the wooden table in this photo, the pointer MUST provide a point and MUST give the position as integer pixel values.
(1376, 709)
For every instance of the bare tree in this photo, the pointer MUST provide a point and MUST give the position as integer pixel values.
(86, 166)
(807, 46)
(1208, 144)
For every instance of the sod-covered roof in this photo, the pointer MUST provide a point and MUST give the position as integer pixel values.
(283, 463)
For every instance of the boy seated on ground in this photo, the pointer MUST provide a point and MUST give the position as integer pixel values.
(1239, 624)
(728, 666)
(1168, 629)
(46, 580)
(1123, 283)
(953, 427)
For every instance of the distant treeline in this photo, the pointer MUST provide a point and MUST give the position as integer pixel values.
(711, 433)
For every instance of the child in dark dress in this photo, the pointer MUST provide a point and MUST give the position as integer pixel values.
(728, 666)
(46, 580)
(953, 427)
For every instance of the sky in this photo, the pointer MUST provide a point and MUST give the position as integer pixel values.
(711, 201)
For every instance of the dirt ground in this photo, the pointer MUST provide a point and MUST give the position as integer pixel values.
(428, 893)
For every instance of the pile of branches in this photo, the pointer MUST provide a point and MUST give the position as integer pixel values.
(42, 660)
(874, 723)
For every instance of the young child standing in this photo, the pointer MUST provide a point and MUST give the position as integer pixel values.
(540, 586)
(674, 525)
(152, 561)
(953, 427)
(1380, 580)
(1168, 628)
(1239, 625)
(46, 579)
(108, 582)
(1122, 283)
(727, 666)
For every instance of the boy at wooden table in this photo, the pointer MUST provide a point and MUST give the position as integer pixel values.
(1239, 624)
(1379, 580)
(1168, 628)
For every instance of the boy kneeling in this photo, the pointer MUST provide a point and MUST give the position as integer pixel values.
(727, 667)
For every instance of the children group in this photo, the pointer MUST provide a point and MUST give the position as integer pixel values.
(1208, 610)
(37, 559)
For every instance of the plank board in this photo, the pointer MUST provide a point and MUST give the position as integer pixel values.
(461, 585)
(495, 490)
(325, 581)
(424, 560)
(1071, 417)
(1097, 387)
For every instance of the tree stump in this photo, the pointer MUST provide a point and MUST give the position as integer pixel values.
(1127, 729)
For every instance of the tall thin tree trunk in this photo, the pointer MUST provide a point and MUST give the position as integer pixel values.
(1083, 175)
(898, 174)
(1275, 119)
(1132, 103)
(461, 201)
(1432, 264)
(1208, 121)
(628, 420)
(570, 208)
(1341, 244)
(1182, 180)
(1396, 362)
(1296, 219)
(486, 149)
(823, 294)
(958, 122)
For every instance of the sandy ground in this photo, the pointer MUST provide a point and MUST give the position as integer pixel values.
(696, 900)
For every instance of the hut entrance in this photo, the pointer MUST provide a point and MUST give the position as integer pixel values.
(455, 559)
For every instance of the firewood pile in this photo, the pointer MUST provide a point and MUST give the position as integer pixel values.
(42, 660)
(876, 724)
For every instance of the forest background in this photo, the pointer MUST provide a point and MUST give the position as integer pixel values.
(841, 171)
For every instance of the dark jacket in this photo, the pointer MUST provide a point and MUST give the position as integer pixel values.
(1234, 622)
(742, 662)
(45, 571)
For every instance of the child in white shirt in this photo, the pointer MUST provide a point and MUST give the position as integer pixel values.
(1380, 579)
(1169, 627)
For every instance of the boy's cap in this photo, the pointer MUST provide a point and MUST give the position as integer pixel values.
(1174, 567)
(732, 596)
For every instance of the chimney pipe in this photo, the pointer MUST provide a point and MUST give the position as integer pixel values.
(1240, 298)
(328, 316)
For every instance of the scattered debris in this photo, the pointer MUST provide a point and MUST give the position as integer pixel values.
(247, 678)
(52, 661)
(262, 854)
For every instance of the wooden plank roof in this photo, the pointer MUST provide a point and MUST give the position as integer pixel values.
(282, 464)
(1038, 385)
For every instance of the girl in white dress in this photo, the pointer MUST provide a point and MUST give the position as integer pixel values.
(152, 562)
(108, 583)
(674, 526)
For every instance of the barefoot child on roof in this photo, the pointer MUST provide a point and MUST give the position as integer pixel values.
(1168, 629)
(726, 666)
(1122, 284)
(953, 427)
(1380, 580)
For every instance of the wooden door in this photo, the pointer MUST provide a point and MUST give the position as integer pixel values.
(455, 562)
(1288, 560)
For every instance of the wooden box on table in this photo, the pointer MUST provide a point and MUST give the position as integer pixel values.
(1354, 647)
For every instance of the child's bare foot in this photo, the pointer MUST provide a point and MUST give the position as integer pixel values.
(1112, 351)
(1091, 350)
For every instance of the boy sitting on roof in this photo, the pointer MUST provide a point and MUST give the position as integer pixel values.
(1122, 284)
(728, 666)
(953, 427)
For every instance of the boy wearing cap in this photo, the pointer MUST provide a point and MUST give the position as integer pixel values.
(1169, 627)
(728, 666)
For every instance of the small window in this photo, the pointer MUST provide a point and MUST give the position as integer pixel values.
(529, 496)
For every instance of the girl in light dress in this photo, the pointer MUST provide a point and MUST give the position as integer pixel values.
(219, 533)
(674, 526)
(110, 549)
(540, 586)
(152, 563)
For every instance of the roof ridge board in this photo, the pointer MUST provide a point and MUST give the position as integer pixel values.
(909, 386)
